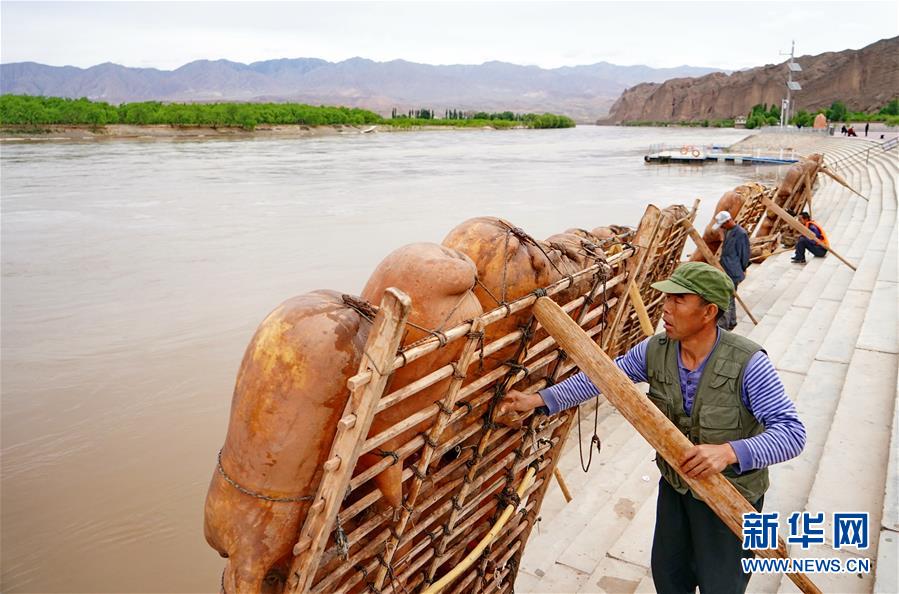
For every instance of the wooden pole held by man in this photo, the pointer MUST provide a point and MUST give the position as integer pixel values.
(792, 222)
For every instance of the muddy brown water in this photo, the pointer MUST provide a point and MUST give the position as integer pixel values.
(135, 272)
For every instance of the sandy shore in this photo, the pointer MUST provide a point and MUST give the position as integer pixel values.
(166, 132)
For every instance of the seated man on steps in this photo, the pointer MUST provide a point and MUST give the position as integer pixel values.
(818, 248)
(723, 393)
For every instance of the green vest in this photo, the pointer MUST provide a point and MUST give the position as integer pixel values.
(718, 414)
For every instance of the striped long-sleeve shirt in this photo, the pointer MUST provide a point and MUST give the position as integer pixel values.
(762, 394)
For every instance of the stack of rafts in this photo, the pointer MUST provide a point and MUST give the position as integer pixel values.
(749, 205)
(362, 452)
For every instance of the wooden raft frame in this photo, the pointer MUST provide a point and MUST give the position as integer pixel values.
(800, 199)
(753, 209)
(450, 502)
(662, 238)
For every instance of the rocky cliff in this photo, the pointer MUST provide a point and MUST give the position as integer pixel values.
(864, 79)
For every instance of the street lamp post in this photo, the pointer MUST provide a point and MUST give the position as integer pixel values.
(787, 104)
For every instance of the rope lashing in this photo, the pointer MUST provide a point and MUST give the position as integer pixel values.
(457, 374)
(480, 338)
(443, 408)
(426, 436)
(485, 543)
(518, 367)
(257, 494)
(593, 440)
(467, 405)
(341, 541)
(392, 454)
(418, 473)
(360, 306)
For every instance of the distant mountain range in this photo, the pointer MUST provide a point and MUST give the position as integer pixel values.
(865, 79)
(582, 92)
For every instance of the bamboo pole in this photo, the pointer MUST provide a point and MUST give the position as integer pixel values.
(713, 260)
(792, 222)
(839, 179)
(501, 312)
(632, 281)
(805, 201)
(562, 484)
(640, 308)
(652, 424)
(424, 521)
(462, 495)
(434, 435)
(467, 562)
(581, 320)
(379, 354)
(762, 257)
(825, 169)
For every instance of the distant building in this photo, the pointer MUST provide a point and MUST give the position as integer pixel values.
(740, 122)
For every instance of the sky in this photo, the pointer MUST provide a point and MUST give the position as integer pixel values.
(166, 35)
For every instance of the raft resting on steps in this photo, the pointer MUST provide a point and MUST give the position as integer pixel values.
(363, 453)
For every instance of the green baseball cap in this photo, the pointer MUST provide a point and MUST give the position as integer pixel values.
(701, 279)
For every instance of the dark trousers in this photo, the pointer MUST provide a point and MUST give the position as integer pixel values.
(805, 243)
(729, 320)
(693, 547)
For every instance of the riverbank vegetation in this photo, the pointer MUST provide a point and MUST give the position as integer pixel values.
(476, 119)
(762, 115)
(725, 123)
(26, 110)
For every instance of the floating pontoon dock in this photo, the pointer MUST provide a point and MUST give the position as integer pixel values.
(694, 154)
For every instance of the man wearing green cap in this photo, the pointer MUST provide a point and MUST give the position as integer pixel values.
(723, 393)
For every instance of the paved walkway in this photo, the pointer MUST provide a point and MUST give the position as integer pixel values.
(832, 334)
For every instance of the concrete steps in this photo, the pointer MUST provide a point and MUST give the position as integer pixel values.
(569, 463)
(566, 552)
(853, 465)
(623, 450)
(886, 580)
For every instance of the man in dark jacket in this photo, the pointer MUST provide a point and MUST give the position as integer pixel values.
(734, 260)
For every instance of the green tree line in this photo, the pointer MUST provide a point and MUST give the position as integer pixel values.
(761, 115)
(26, 109)
(726, 123)
(459, 117)
(38, 111)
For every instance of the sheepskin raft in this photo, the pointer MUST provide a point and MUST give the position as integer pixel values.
(363, 453)
(765, 229)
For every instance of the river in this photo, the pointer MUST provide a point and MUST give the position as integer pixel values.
(135, 272)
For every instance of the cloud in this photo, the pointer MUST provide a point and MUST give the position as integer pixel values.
(660, 34)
